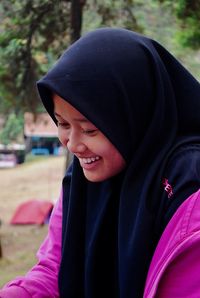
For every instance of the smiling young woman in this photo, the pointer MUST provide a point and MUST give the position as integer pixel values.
(129, 113)
(98, 157)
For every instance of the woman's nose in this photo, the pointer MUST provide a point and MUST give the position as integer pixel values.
(75, 145)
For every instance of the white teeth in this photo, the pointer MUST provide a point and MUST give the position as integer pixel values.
(90, 159)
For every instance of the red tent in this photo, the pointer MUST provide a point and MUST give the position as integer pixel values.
(32, 212)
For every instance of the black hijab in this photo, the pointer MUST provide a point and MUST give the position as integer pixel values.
(148, 105)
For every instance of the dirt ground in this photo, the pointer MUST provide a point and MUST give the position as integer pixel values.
(38, 179)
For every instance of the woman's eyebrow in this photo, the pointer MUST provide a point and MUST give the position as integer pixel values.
(81, 119)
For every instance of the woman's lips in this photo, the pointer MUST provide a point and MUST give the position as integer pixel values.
(88, 162)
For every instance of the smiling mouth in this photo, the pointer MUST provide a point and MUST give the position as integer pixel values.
(89, 160)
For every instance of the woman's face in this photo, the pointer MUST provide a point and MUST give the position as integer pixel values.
(99, 159)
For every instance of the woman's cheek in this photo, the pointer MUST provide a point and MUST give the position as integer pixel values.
(62, 137)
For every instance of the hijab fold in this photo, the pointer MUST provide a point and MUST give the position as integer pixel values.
(147, 104)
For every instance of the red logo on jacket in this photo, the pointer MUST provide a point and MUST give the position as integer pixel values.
(167, 187)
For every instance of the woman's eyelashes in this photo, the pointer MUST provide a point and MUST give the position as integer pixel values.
(86, 131)
(90, 131)
(63, 125)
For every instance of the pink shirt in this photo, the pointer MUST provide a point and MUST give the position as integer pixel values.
(42, 280)
(175, 268)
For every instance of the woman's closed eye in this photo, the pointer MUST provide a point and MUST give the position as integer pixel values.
(90, 131)
(66, 125)
(63, 125)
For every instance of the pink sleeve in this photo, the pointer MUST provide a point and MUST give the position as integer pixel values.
(175, 268)
(182, 276)
(42, 280)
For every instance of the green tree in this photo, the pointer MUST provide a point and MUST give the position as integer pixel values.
(12, 130)
(188, 14)
(33, 32)
(112, 13)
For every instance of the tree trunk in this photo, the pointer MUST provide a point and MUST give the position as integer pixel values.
(76, 18)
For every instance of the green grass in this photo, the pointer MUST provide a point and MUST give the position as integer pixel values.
(19, 244)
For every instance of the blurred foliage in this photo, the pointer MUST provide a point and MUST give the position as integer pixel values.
(188, 14)
(12, 129)
(110, 13)
(31, 34)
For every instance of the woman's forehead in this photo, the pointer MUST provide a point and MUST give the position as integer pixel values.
(63, 109)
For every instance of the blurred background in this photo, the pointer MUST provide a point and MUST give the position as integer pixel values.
(33, 34)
